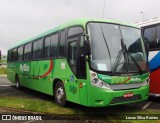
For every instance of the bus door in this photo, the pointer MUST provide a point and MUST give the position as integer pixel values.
(77, 63)
(72, 61)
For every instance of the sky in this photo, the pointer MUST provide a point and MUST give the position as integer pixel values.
(21, 19)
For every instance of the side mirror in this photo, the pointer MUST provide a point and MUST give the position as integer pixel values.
(87, 48)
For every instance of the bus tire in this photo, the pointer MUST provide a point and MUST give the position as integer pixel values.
(17, 83)
(60, 94)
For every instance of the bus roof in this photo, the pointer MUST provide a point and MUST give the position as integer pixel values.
(148, 22)
(82, 22)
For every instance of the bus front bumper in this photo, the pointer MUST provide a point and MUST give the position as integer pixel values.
(98, 97)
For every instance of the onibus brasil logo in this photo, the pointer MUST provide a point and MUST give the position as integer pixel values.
(24, 67)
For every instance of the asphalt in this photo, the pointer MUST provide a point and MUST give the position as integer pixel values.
(8, 89)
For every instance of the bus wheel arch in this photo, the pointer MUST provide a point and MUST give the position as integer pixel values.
(59, 92)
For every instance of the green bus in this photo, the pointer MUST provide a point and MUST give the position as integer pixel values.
(90, 62)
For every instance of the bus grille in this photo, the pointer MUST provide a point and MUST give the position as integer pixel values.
(122, 99)
(125, 86)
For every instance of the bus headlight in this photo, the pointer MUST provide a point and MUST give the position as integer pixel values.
(145, 82)
(98, 83)
(95, 81)
(101, 84)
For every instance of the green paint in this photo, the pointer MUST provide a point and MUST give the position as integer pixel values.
(45, 66)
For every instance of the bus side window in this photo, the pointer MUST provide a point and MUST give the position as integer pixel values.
(50, 46)
(37, 49)
(62, 44)
(14, 55)
(34, 49)
(47, 44)
(150, 35)
(158, 36)
(72, 55)
(27, 51)
(20, 53)
(54, 46)
(9, 56)
(40, 46)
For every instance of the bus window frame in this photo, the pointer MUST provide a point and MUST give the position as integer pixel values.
(149, 26)
(41, 38)
(70, 39)
(55, 33)
(66, 29)
(11, 50)
(109, 72)
(22, 52)
(30, 52)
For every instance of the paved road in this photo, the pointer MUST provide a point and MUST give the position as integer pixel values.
(8, 89)
(4, 81)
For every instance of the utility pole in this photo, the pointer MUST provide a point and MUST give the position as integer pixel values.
(104, 8)
(0, 54)
(142, 16)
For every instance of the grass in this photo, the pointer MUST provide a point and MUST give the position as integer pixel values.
(35, 105)
(49, 107)
(3, 70)
(2, 61)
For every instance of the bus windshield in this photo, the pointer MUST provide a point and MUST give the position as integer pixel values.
(116, 48)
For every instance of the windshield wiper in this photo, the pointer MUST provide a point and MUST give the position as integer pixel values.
(134, 61)
(119, 56)
(126, 54)
(125, 51)
(117, 61)
(137, 65)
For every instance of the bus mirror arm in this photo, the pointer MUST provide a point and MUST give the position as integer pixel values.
(87, 49)
(85, 35)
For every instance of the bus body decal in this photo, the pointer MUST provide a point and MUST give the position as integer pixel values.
(154, 62)
(126, 80)
(49, 70)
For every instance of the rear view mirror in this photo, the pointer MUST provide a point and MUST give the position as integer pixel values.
(87, 47)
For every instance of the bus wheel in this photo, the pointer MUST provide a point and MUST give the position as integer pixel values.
(17, 83)
(60, 94)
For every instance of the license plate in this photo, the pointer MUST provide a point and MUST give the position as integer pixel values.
(127, 95)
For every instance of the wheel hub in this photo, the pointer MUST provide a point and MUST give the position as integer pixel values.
(60, 94)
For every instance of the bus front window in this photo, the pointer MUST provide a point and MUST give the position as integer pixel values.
(116, 48)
